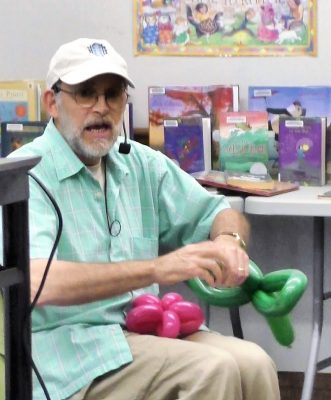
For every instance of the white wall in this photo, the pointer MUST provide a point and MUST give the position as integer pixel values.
(31, 30)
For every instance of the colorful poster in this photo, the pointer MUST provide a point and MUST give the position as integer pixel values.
(225, 27)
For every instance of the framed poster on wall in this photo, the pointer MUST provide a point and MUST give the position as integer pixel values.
(225, 27)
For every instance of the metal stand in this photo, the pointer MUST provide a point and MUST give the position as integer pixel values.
(318, 298)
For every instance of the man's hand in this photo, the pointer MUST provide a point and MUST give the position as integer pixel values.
(221, 262)
(234, 260)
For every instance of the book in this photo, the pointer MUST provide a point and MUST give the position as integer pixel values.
(217, 179)
(293, 101)
(325, 195)
(248, 180)
(19, 101)
(302, 150)
(15, 135)
(168, 102)
(244, 139)
(187, 141)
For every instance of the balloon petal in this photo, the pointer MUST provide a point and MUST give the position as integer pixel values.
(190, 315)
(144, 318)
(170, 298)
(170, 325)
(146, 298)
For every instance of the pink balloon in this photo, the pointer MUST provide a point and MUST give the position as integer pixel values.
(170, 325)
(190, 315)
(170, 298)
(144, 318)
(146, 298)
(170, 317)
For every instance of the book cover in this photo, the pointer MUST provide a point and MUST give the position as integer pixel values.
(217, 180)
(244, 139)
(293, 101)
(248, 180)
(187, 142)
(15, 135)
(19, 101)
(302, 150)
(168, 102)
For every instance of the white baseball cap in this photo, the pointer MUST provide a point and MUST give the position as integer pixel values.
(82, 59)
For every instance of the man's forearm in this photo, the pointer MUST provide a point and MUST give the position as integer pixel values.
(230, 220)
(70, 283)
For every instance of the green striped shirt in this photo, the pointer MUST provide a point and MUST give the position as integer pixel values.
(153, 207)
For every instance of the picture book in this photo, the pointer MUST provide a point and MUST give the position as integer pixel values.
(302, 150)
(19, 101)
(325, 195)
(187, 141)
(15, 135)
(244, 139)
(166, 102)
(293, 101)
(247, 180)
(217, 179)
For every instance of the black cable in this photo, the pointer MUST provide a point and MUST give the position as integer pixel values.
(43, 280)
(56, 242)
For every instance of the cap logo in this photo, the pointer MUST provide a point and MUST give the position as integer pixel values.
(98, 49)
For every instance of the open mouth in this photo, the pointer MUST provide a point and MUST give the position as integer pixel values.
(99, 131)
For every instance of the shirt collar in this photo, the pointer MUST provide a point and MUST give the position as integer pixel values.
(68, 164)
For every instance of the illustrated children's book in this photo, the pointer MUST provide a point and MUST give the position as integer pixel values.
(247, 180)
(168, 102)
(19, 101)
(187, 141)
(302, 150)
(293, 101)
(14, 135)
(218, 179)
(244, 139)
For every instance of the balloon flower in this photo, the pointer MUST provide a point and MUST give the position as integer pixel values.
(273, 295)
(170, 316)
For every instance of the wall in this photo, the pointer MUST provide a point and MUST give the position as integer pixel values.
(30, 32)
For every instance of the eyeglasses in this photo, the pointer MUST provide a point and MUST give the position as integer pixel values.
(87, 97)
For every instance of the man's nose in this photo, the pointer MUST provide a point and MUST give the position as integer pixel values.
(101, 104)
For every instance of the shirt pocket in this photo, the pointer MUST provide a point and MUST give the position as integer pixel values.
(143, 248)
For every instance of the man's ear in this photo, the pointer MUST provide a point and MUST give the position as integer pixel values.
(50, 103)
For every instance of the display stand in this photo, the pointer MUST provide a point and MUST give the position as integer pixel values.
(14, 275)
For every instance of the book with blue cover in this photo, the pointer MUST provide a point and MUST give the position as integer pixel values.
(187, 141)
(302, 150)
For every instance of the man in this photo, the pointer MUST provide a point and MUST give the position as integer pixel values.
(120, 211)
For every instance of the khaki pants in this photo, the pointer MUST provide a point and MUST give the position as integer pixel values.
(204, 366)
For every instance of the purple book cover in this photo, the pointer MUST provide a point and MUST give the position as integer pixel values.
(184, 145)
(302, 150)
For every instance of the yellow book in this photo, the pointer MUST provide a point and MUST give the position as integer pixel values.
(19, 101)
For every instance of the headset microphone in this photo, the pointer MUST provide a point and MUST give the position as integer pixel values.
(125, 147)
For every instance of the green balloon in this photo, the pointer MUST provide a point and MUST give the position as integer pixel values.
(273, 295)
(282, 329)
